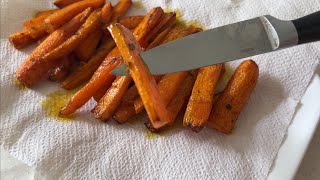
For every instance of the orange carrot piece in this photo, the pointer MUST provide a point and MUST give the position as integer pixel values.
(62, 16)
(201, 100)
(34, 68)
(92, 24)
(119, 87)
(21, 39)
(106, 12)
(181, 97)
(120, 9)
(60, 72)
(146, 85)
(234, 97)
(102, 91)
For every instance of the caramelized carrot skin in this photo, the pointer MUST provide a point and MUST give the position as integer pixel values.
(21, 39)
(235, 96)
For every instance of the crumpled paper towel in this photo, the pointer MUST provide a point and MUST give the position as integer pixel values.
(86, 148)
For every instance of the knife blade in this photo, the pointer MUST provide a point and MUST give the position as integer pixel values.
(230, 42)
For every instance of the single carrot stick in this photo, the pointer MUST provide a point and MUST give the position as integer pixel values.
(234, 97)
(120, 9)
(146, 85)
(106, 13)
(34, 68)
(21, 39)
(201, 100)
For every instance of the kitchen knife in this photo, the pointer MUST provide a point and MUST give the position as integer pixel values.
(231, 42)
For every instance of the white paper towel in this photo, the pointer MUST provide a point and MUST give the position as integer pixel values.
(88, 149)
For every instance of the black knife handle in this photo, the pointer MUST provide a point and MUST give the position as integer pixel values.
(308, 28)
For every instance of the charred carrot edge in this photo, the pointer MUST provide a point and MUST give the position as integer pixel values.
(85, 72)
(112, 60)
(109, 102)
(106, 12)
(146, 85)
(62, 16)
(131, 22)
(120, 9)
(234, 97)
(21, 39)
(91, 24)
(64, 3)
(34, 68)
(201, 100)
(89, 46)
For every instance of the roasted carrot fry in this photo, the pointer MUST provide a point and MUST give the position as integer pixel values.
(113, 59)
(146, 85)
(102, 91)
(64, 3)
(201, 100)
(120, 9)
(106, 12)
(234, 97)
(181, 97)
(131, 22)
(89, 46)
(34, 68)
(45, 12)
(92, 23)
(21, 39)
(62, 16)
(60, 72)
(85, 72)
(119, 87)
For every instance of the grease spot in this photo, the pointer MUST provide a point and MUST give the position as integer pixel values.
(150, 135)
(19, 85)
(54, 102)
(137, 5)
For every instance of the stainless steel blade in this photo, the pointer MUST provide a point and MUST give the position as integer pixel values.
(219, 45)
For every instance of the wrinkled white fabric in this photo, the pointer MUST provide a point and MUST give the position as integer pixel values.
(88, 149)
